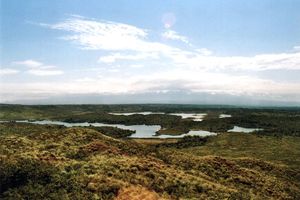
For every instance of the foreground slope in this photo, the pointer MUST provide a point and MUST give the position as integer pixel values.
(54, 162)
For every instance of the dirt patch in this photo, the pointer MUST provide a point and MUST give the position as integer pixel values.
(137, 193)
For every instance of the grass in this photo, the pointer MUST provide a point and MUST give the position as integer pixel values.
(281, 150)
(54, 162)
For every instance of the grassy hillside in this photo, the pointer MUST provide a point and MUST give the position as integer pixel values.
(54, 162)
(280, 150)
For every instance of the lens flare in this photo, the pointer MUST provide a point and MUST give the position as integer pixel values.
(168, 20)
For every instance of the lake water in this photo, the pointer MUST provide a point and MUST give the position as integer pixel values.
(134, 113)
(193, 116)
(190, 133)
(243, 130)
(224, 116)
(141, 131)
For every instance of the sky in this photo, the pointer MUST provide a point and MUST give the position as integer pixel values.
(171, 51)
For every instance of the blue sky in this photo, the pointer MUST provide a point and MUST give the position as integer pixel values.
(245, 49)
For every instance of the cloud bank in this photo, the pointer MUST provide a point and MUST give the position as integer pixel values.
(159, 65)
(120, 37)
(39, 69)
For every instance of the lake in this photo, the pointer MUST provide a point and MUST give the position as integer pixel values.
(135, 113)
(224, 116)
(141, 131)
(193, 116)
(244, 130)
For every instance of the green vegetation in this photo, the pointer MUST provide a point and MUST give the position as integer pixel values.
(185, 142)
(273, 121)
(55, 162)
(113, 131)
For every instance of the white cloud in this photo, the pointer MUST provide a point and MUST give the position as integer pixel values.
(85, 79)
(39, 69)
(29, 63)
(133, 57)
(178, 80)
(44, 72)
(8, 71)
(120, 37)
(102, 34)
(204, 51)
(173, 35)
(137, 66)
(111, 36)
(194, 70)
(283, 61)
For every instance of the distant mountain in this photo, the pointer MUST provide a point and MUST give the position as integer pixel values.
(178, 97)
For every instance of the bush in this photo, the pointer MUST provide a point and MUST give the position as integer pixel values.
(32, 179)
(17, 174)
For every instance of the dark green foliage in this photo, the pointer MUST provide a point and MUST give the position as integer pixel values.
(152, 119)
(278, 123)
(185, 142)
(18, 173)
(113, 131)
(32, 179)
(191, 141)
